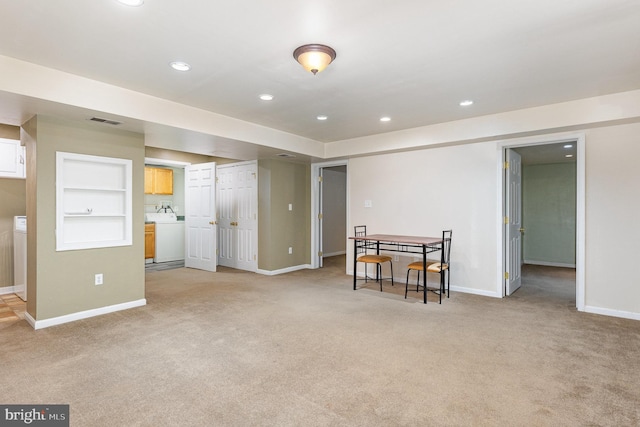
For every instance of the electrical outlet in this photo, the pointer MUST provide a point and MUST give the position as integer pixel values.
(290, 250)
(99, 279)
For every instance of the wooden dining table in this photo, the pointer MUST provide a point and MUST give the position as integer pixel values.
(397, 243)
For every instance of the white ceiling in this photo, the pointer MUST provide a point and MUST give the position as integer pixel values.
(411, 60)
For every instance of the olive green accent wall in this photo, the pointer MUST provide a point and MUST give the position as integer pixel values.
(12, 203)
(181, 156)
(9, 132)
(28, 137)
(62, 283)
(549, 214)
(280, 184)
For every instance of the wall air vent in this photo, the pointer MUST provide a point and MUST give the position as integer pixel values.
(105, 121)
(285, 155)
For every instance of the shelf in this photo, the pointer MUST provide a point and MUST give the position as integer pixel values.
(94, 201)
(120, 190)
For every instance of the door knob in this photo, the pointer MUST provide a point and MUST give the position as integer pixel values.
(213, 222)
(522, 229)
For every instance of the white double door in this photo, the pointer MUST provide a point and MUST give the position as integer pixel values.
(237, 204)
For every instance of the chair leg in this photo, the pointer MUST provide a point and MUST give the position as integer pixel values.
(379, 274)
(448, 281)
(391, 265)
(406, 284)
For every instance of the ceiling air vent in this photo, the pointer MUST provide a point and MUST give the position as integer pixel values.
(105, 121)
(285, 155)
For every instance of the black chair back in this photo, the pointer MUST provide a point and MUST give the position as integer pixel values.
(446, 247)
(361, 245)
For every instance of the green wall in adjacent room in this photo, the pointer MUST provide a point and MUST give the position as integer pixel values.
(549, 214)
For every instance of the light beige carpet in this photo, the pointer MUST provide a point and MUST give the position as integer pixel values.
(304, 349)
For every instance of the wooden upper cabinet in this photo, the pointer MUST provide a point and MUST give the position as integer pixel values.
(158, 180)
(148, 180)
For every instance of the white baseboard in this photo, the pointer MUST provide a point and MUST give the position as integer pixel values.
(462, 289)
(334, 254)
(7, 290)
(612, 313)
(283, 270)
(473, 291)
(549, 264)
(40, 324)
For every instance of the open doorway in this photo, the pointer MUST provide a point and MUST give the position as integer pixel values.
(329, 214)
(543, 230)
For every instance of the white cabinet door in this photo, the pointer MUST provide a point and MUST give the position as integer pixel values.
(12, 159)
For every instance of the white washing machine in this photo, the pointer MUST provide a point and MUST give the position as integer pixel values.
(169, 236)
(20, 256)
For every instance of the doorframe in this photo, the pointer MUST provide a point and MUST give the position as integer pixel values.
(172, 164)
(315, 206)
(579, 140)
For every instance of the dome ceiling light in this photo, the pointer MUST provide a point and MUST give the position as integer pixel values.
(314, 57)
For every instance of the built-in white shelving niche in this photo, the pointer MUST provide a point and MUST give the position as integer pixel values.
(93, 201)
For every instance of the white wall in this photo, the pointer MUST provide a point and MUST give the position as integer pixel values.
(426, 191)
(613, 221)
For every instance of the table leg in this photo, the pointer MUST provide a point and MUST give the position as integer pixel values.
(424, 270)
(378, 266)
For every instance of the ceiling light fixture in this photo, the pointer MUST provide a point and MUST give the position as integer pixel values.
(131, 2)
(385, 119)
(568, 146)
(314, 57)
(180, 66)
(466, 103)
(322, 117)
(266, 97)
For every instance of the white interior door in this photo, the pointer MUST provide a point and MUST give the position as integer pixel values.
(200, 228)
(238, 216)
(513, 222)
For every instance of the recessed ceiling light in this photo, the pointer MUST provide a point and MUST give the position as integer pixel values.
(568, 146)
(569, 155)
(322, 117)
(180, 66)
(466, 103)
(266, 97)
(385, 119)
(131, 2)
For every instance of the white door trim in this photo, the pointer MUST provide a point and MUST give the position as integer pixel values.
(315, 208)
(579, 139)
